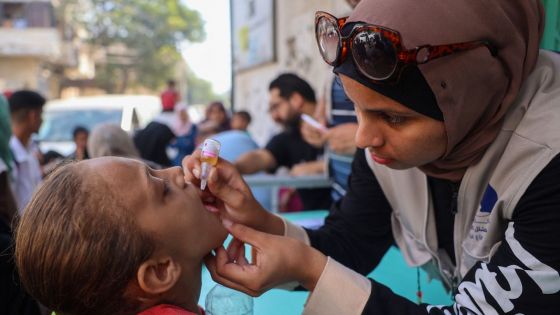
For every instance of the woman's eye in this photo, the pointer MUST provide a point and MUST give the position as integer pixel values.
(393, 120)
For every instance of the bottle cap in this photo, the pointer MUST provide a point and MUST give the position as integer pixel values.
(211, 148)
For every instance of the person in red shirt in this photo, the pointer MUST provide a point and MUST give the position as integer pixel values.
(169, 97)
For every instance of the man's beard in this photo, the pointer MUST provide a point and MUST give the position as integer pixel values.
(292, 122)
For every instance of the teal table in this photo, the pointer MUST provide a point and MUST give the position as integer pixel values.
(392, 272)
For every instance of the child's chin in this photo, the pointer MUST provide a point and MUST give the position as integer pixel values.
(223, 236)
(219, 236)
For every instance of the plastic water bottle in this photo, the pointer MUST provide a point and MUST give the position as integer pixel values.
(225, 301)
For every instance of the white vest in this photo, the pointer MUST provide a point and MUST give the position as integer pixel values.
(489, 191)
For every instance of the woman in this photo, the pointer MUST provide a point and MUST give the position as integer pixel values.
(458, 163)
(216, 121)
(185, 134)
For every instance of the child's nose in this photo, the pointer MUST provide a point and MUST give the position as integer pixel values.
(177, 176)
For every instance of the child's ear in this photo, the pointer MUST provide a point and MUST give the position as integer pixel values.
(158, 275)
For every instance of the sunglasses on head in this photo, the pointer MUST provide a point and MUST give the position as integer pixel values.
(377, 51)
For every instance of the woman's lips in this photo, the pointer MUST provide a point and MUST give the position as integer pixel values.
(380, 160)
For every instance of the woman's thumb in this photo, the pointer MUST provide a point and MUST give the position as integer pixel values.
(243, 232)
(219, 188)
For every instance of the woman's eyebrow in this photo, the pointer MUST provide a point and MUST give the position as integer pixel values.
(384, 109)
(388, 110)
(391, 112)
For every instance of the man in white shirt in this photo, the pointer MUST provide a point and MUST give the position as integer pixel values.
(26, 108)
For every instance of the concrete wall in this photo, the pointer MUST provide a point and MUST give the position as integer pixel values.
(296, 51)
(25, 56)
(19, 72)
(39, 42)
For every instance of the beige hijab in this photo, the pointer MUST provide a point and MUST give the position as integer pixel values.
(473, 89)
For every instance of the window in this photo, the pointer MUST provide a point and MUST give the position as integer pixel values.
(28, 14)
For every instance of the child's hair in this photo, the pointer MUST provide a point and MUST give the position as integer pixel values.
(245, 115)
(78, 248)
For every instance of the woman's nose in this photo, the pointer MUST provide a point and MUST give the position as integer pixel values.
(368, 135)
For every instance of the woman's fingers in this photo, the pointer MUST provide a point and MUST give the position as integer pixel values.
(223, 190)
(236, 252)
(211, 261)
(245, 234)
(240, 276)
(276, 260)
(251, 277)
(191, 167)
(233, 249)
(242, 259)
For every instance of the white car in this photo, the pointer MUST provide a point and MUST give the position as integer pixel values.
(60, 117)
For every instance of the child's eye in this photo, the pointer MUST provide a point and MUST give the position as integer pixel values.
(166, 188)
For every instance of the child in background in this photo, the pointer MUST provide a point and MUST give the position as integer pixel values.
(240, 120)
(112, 236)
(185, 135)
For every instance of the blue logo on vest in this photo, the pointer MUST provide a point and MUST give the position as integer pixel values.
(488, 200)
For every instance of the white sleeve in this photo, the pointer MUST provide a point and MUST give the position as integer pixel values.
(338, 291)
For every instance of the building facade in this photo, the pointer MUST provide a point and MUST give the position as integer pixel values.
(30, 43)
(38, 50)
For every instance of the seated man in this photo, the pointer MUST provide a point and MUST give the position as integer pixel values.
(112, 236)
(290, 96)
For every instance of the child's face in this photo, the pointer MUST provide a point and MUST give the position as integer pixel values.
(164, 205)
(81, 140)
(238, 123)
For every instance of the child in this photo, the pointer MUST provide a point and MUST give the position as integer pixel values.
(112, 236)
(240, 120)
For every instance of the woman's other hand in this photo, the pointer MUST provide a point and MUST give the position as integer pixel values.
(226, 185)
(276, 260)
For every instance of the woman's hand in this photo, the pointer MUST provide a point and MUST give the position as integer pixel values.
(276, 260)
(226, 185)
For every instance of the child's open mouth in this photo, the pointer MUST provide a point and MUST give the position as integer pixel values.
(209, 202)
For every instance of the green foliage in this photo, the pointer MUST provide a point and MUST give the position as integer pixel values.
(140, 38)
(200, 91)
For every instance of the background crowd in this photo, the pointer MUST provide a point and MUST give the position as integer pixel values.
(300, 149)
